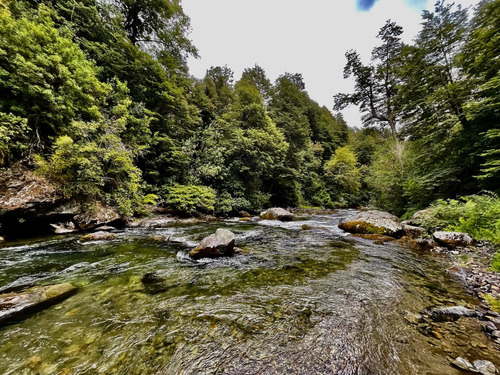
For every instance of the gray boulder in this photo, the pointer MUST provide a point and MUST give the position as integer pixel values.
(373, 222)
(221, 243)
(452, 313)
(276, 213)
(453, 239)
(14, 306)
(485, 367)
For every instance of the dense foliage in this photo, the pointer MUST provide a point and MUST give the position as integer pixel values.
(96, 95)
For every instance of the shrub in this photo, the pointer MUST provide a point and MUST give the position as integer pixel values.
(190, 198)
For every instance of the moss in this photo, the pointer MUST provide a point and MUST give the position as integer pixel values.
(494, 302)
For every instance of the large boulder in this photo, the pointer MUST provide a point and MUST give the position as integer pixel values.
(373, 222)
(221, 243)
(452, 239)
(14, 306)
(276, 213)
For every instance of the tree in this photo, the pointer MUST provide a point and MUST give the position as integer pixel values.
(343, 176)
(46, 81)
(376, 85)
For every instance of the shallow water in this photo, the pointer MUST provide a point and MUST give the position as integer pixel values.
(292, 301)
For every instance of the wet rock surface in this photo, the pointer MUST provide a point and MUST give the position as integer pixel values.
(14, 306)
(98, 236)
(373, 222)
(221, 243)
(276, 213)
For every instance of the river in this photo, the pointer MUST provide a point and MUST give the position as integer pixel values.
(291, 301)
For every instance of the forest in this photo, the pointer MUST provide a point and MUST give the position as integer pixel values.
(96, 96)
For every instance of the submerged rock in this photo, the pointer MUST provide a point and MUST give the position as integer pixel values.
(373, 222)
(276, 213)
(221, 243)
(98, 236)
(452, 313)
(453, 239)
(14, 306)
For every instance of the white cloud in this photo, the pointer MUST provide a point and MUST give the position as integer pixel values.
(294, 36)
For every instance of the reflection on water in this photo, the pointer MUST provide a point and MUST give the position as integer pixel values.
(292, 301)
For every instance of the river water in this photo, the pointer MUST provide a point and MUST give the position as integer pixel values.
(292, 301)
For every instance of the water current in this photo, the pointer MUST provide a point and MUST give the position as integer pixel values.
(291, 301)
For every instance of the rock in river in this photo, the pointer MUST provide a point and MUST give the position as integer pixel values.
(452, 313)
(13, 306)
(373, 222)
(98, 236)
(221, 243)
(276, 213)
(452, 239)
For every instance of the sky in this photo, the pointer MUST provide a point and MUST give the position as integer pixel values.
(296, 36)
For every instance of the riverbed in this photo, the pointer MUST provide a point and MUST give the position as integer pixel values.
(291, 301)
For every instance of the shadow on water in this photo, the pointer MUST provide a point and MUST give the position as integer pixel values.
(291, 301)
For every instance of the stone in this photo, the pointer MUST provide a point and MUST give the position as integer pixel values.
(375, 237)
(106, 228)
(2, 239)
(62, 228)
(413, 231)
(98, 216)
(221, 243)
(311, 227)
(244, 219)
(485, 367)
(151, 278)
(495, 334)
(419, 216)
(159, 238)
(462, 364)
(452, 313)
(244, 214)
(413, 318)
(373, 222)
(452, 239)
(16, 305)
(98, 236)
(276, 213)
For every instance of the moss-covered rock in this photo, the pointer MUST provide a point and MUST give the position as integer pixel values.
(373, 222)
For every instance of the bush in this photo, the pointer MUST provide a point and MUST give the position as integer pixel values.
(190, 198)
(478, 215)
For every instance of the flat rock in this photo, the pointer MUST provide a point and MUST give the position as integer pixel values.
(98, 236)
(276, 213)
(14, 306)
(452, 313)
(452, 239)
(373, 222)
(221, 243)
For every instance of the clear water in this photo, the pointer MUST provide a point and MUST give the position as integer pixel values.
(292, 301)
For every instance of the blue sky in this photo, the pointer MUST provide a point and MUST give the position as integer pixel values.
(295, 36)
